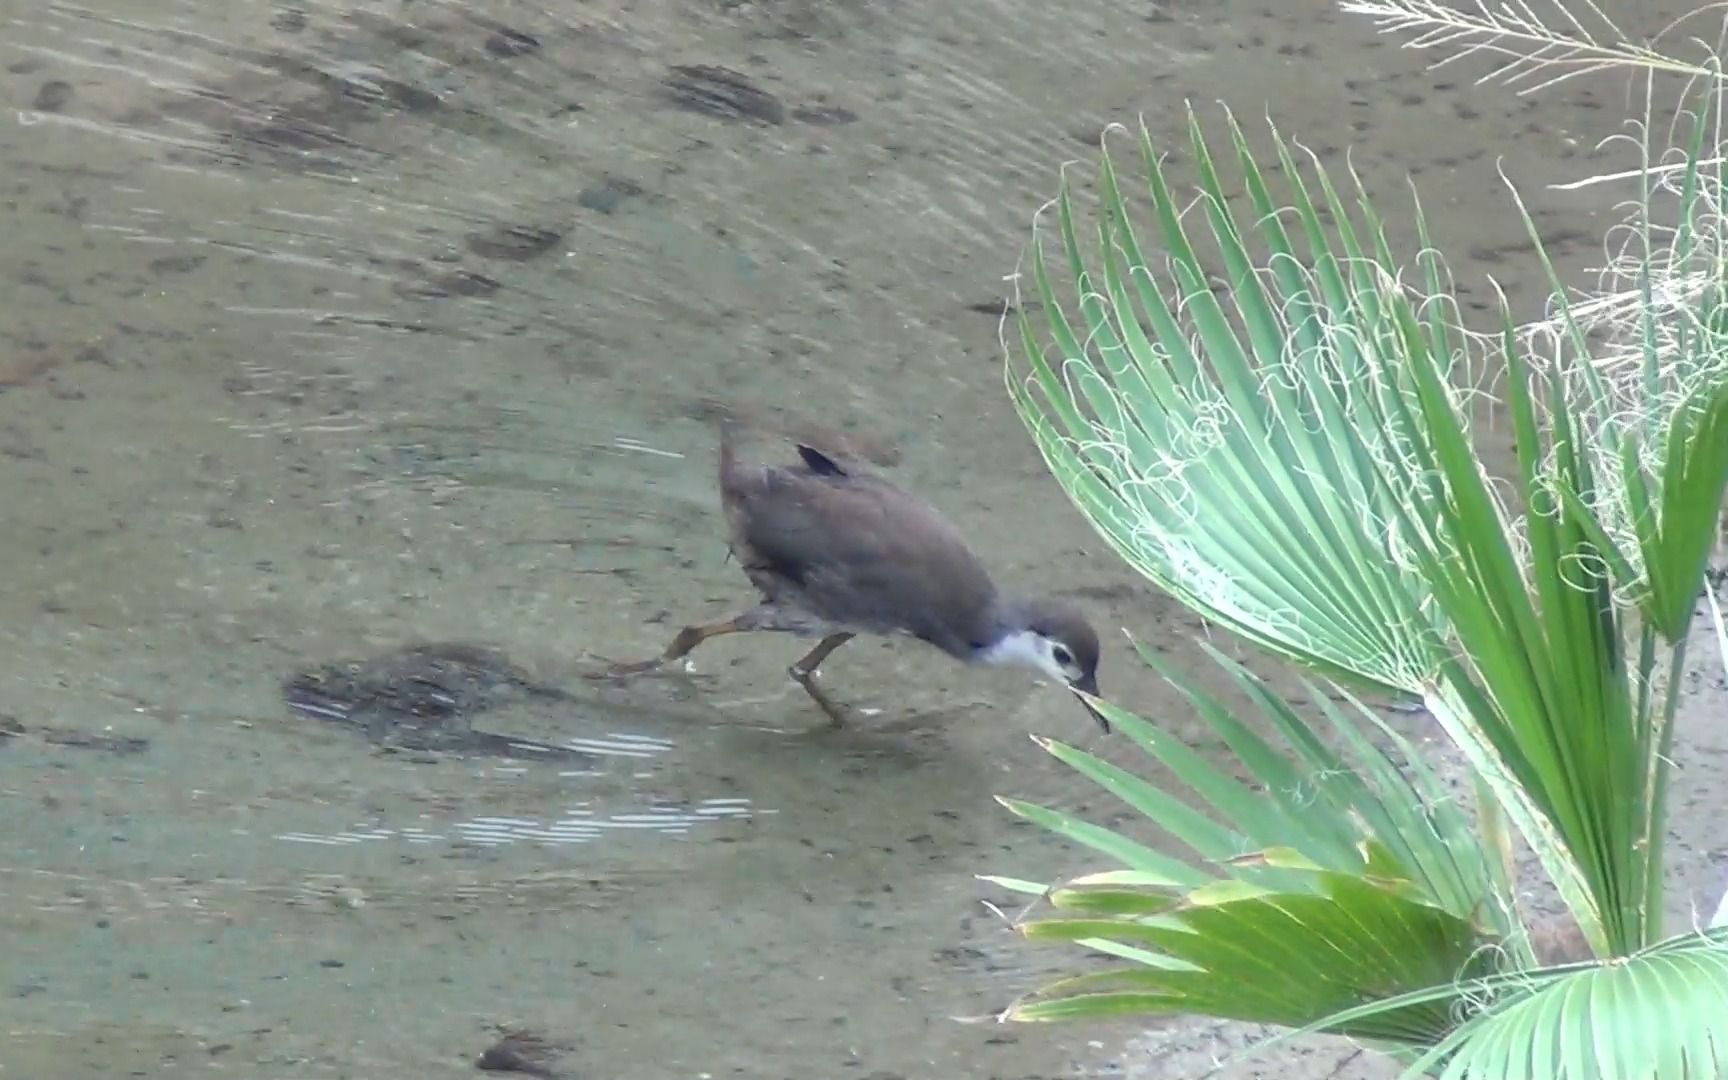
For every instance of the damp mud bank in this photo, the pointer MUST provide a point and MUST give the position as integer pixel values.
(336, 331)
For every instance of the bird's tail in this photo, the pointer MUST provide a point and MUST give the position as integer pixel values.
(728, 450)
(727, 421)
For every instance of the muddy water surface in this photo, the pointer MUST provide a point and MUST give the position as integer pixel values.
(337, 329)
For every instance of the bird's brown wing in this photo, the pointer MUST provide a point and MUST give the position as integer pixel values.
(858, 550)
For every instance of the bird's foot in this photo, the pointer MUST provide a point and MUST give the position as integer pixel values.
(608, 670)
(838, 715)
(682, 645)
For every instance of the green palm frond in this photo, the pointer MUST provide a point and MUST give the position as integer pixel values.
(1656, 1013)
(1660, 1012)
(1274, 425)
(1272, 417)
(1293, 457)
(1267, 475)
(1253, 954)
(1404, 946)
(1242, 456)
(1324, 878)
(1400, 944)
(1360, 811)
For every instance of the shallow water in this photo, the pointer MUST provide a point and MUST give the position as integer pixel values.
(333, 328)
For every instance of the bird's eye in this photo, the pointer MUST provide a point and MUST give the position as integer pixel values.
(1062, 655)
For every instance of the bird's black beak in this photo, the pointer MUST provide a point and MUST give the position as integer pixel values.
(1089, 684)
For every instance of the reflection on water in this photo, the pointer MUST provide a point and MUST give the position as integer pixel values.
(579, 827)
(331, 328)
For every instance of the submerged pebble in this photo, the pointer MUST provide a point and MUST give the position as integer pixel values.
(53, 96)
(722, 92)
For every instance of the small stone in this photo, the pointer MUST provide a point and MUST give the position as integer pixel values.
(607, 195)
(289, 20)
(521, 1052)
(517, 243)
(53, 96)
(507, 43)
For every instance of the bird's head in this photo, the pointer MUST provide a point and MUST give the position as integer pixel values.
(1053, 638)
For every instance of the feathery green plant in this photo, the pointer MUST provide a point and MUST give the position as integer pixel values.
(1273, 422)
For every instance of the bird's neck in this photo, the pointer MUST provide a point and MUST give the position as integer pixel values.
(1006, 642)
(1016, 648)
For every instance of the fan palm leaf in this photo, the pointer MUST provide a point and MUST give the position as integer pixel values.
(1274, 424)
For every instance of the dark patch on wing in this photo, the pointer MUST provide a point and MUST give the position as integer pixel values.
(819, 463)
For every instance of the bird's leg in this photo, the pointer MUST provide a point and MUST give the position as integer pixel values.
(804, 673)
(760, 617)
(682, 645)
(764, 617)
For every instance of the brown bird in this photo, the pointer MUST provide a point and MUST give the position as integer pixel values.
(836, 553)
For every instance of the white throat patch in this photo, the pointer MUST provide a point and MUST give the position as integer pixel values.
(1023, 648)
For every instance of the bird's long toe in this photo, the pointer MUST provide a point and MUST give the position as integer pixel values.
(837, 714)
(609, 669)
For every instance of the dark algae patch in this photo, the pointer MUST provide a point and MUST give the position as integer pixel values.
(426, 698)
(722, 92)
